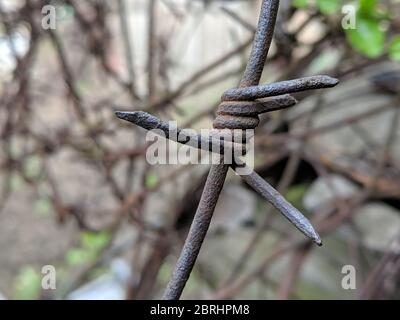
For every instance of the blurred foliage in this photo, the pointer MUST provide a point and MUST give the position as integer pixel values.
(27, 284)
(78, 256)
(65, 13)
(43, 206)
(328, 6)
(367, 38)
(394, 48)
(32, 167)
(16, 182)
(295, 195)
(370, 37)
(91, 243)
(151, 180)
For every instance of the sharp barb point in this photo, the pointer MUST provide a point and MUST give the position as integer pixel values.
(119, 114)
(280, 203)
(280, 88)
(317, 239)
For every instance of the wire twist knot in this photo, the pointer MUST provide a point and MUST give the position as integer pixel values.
(232, 114)
(237, 115)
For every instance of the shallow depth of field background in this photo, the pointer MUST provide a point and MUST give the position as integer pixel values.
(76, 191)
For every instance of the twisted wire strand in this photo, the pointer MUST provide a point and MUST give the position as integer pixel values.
(217, 174)
(239, 110)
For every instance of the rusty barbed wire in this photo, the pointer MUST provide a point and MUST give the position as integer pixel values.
(239, 109)
(83, 54)
(87, 76)
(213, 144)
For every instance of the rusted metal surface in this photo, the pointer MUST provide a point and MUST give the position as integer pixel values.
(216, 177)
(279, 88)
(282, 205)
(239, 109)
(261, 44)
(149, 122)
(198, 230)
(187, 137)
(253, 108)
(244, 114)
(236, 122)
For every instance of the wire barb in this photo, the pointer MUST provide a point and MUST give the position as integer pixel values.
(254, 108)
(150, 122)
(282, 205)
(239, 109)
(279, 88)
(212, 143)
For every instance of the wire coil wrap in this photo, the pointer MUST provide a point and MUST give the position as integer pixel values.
(244, 114)
(236, 115)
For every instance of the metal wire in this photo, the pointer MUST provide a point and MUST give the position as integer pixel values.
(239, 109)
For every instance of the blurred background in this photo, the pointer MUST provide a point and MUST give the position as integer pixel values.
(77, 193)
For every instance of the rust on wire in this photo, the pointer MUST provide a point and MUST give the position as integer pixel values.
(261, 44)
(239, 109)
(244, 114)
(253, 108)
(211, 143)
(282, 205)
(150, 122)
(279, 88)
